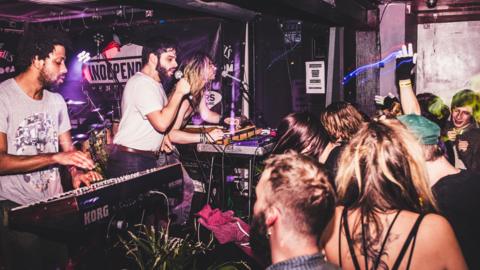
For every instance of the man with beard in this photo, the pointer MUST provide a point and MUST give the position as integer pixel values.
(146, 112)
(295, 202)
(34, 122)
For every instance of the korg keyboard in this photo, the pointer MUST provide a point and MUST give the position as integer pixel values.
(76, 210)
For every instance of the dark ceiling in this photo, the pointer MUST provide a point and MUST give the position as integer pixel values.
(354, 13)
(332, 12)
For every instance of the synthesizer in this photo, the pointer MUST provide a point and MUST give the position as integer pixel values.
(79, 209)
(236, 149)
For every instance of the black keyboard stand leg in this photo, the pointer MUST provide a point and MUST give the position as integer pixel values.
(250, 187)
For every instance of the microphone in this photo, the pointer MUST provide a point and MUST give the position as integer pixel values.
(178, 75)
(244, 90)
(225, 75)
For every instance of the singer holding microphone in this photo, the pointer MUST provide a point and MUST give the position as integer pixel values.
(147, 114)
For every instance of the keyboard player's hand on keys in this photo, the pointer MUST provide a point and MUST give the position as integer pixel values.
(85, 178)
(215, 135)
(74, 158)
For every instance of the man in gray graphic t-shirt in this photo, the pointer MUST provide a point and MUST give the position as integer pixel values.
(34, 125)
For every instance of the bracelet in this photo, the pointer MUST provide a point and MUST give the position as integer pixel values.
(203, 138)
(405, 84)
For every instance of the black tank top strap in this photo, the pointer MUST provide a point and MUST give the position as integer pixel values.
(340, 239)
(349, 239)
(411, 236)
(382, 248)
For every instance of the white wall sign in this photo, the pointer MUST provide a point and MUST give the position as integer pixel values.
(315, 77)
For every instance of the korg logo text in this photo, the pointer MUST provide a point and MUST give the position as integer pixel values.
(95, 215)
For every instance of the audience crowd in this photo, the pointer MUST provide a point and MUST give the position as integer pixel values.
(397, 190)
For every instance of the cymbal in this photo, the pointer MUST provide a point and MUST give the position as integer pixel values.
(96, 110)
(75, 102)
(80, 136)
(97, 126)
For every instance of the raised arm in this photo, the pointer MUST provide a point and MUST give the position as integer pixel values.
(405, 64)
(162, 119)
(207, 114)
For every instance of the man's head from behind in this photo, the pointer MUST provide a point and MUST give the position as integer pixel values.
(162, 54)
(342, 121)
(433, 108)
(465, 108)
(44, 52)
(427, 132)
(294, 199)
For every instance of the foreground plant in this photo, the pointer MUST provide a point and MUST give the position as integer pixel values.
(153, 249)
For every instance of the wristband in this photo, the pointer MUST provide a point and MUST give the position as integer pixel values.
(405, 84)
(203, 138)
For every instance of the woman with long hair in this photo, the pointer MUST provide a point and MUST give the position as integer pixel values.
(199, 70)
(342, 121)
(304, 133)
(386, 219)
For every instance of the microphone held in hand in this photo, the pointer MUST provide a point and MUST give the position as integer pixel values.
(178, 75)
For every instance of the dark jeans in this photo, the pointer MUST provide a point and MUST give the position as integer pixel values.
(122, 163)
(182, 210)
(23, 250)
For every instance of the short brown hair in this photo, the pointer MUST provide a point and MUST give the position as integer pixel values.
(341, 120)
(300, 185)
(432, 152)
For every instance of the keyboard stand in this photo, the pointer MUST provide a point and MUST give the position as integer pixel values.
(240, 151)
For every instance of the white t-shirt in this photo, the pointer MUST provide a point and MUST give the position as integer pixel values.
(32, 127)
(141, 96)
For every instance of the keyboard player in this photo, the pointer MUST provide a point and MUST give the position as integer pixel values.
(34, 125)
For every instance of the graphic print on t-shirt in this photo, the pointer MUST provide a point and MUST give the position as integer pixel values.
(36, 134)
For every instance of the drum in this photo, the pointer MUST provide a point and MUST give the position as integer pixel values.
(96, 146)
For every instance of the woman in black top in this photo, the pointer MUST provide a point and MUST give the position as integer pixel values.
(341, 121)
(386, 219)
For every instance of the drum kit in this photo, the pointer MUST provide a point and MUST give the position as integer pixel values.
(93, 129)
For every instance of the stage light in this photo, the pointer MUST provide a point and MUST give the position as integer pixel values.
(431, 3)
(149, 13)
(83, 57)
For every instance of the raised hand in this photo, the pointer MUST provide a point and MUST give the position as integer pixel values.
(452, 135)
(405, 63)
(379, 100)
(74, 158)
